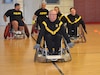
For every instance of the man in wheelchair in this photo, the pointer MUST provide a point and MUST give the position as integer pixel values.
(73, 22)
(52, 30)
(16, 19)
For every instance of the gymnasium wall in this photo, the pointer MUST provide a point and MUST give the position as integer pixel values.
(89, 9)
(3, 8)
(29, 7)
(64, 6)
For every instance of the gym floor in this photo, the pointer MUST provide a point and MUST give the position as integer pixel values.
(17, 57)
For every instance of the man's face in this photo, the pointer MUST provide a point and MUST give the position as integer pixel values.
(56, 9)
(73, 12)
(52, 16)
(17, 7)
(43, 5)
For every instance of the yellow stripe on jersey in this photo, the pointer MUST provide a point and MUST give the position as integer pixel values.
(60, 17)
(49, 30)
(76, 20)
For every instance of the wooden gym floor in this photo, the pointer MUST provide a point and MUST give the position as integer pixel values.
(16, 57)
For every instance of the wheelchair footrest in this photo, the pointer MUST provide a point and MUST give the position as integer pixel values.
(53, 57)
(18, 35)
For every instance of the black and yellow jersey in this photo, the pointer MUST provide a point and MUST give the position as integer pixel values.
(14, 14)
(41, 14)
(75, 21)
(61, 17)
(52, 28)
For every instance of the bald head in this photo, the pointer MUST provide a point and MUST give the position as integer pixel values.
(52, 15)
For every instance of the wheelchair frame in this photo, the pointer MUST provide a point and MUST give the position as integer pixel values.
(8, 31)
(64, 55)
(80, 35)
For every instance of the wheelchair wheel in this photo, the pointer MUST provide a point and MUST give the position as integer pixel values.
(83, 38)
(7, 31)
(35, 56)
(26, 31)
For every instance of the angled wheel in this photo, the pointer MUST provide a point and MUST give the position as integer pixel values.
(6, 31)
(35, 56)
(82, 35)
(26, 31)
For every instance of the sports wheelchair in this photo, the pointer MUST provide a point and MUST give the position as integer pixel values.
(42, 54)
(76, 34)
(9, 33)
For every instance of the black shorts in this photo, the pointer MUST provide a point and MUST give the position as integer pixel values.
(20, 22)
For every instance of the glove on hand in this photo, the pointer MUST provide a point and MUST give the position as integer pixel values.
(37, 46)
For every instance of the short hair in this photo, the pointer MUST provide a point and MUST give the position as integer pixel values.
(16, 4)
(57, 7)
(72, 8)
(43, 2)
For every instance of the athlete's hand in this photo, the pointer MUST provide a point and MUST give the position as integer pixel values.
(33, 22)
(37, 46)
(70, 45)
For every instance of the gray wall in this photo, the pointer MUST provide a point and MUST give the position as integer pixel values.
(30, 6)
(4, 8)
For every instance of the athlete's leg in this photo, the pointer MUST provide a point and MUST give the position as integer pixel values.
(21, 25)
(57, 42)
(49, 42)
(15, 25)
